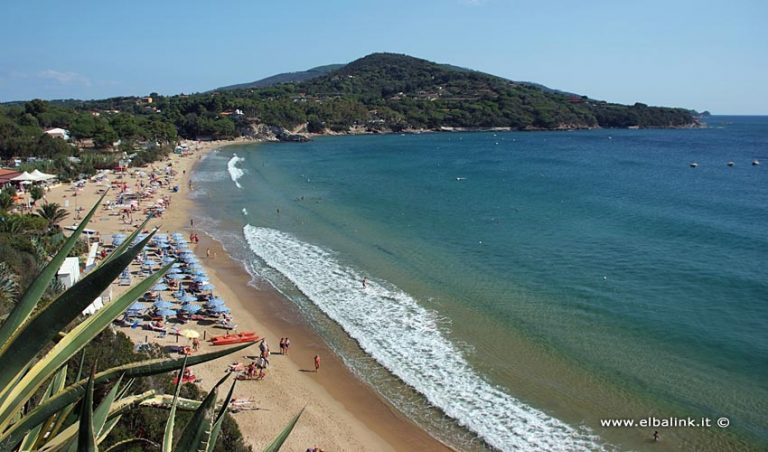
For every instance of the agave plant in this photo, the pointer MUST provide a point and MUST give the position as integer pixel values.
(27, 360)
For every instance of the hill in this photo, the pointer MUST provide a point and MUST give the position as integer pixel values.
(285, 77)
(379, 93)
(392, 92)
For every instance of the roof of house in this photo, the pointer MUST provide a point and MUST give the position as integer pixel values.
(6, 175)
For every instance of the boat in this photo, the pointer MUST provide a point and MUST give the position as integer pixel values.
(731, 163)
(238, 338)
(694, 164)
(755, 162)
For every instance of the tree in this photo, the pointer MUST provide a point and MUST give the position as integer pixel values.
(53, 213)
(36, 192)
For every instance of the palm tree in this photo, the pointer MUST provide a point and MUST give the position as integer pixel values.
(53, 213)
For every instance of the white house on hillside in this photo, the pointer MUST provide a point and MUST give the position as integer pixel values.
(58, 133)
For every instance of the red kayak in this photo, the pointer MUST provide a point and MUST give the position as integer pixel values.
(234, 338)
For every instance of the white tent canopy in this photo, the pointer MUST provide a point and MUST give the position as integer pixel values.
(39, 175)
(24, 176)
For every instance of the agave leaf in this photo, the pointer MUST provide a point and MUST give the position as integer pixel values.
(100, 414)
(56, 385)
(124, 246)
(72, 393)
(28, 302)
(128, 444)
(278, 442)
(168, 434)
(216, 428)
(107, 429)
(62, 439)
(165, 401)
(193, 436)
(33, 336)
(86, 439)
(75, 340)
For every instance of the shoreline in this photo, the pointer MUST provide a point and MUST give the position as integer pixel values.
(341, 412)
(272, 311)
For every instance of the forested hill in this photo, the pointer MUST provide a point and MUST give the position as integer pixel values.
(378, 93)
(286, 77)
(411, 92)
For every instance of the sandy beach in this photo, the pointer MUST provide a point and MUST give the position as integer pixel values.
(341, 412)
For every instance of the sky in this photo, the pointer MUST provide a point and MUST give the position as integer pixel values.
(703, 55)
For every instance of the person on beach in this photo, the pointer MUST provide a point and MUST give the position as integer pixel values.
(282, 346)
(208, 253)
(287, 344)
(191, 223)
(656, 435)
(365, 281)
(317, 363)
(195, 344)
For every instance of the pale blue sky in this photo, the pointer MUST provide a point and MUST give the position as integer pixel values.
(705, 55)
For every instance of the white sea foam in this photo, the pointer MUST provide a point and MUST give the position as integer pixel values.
(234, 172)
(408, 340)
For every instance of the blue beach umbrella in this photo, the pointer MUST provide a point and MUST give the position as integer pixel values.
(148, 263)
(159, 286)
(206, 287)
(173, 271)
(190, 307)
(166, 312)
(201, 279)
(186, 298)
(215, 301)
(162, 304)
(138, 306)
(175, 276)
(219, 309)
(168, 260)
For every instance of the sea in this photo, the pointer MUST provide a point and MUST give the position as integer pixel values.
(524, 290)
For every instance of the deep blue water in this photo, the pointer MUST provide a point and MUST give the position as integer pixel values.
(585, 274)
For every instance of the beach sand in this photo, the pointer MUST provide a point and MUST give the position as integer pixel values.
(342, 413)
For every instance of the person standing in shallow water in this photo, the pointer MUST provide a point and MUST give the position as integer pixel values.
(317, 363)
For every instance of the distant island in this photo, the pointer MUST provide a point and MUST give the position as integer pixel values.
(379, 93)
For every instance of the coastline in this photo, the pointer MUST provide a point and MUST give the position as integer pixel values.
(341, 412)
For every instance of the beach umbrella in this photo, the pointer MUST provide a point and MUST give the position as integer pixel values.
(219, 309)
(200, 272)
(215, 301)
(173, 271)
(138, 306)
(168, 260)
(162, 304)
(186, 298)
(201, 279)
(177, 265)
(191, 307)
(159, 286)
(175, 276)
(148, 263)
(166, 312)
(206, 287)
(189, 334)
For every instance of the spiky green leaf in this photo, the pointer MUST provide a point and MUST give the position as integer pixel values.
(35, 334)
(74, 341)
(278, 442)
(194, 434)
(12, 436)
(86, 438)
(216, 428)
(168, 434)
(28, 302)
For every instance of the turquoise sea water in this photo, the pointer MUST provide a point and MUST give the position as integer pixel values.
(522, 286)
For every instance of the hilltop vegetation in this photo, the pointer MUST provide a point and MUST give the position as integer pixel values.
(378, 93)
